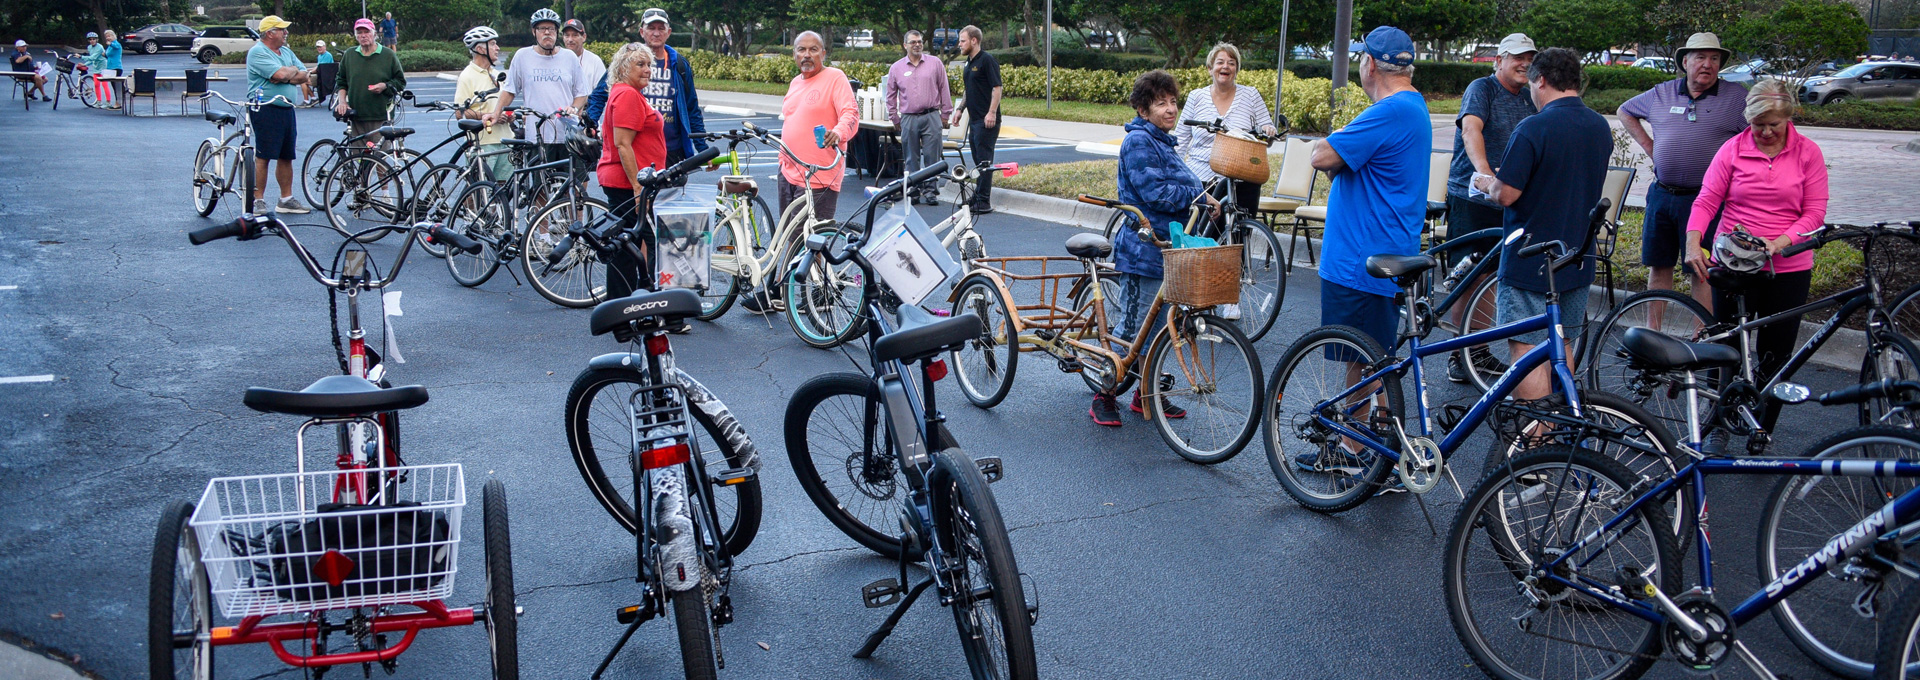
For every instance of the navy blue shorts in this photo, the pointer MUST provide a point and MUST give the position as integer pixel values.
(274, 133)
(1664, 231)
(1375, 315)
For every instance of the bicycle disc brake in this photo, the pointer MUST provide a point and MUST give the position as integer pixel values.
(1420, 464)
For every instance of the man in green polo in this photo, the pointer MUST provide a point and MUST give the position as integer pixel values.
(370, 78)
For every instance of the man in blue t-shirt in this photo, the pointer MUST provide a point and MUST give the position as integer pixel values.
(1552, 175)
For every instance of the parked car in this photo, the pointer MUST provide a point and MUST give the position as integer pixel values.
(860, 39)
(1104, 40)
(1483, 54)
(1868, 81)
(944, 40)
(1751, 72)
(152, 38)
(218, 40)
(1662, 63)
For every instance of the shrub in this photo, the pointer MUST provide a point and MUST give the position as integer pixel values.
(453, 46)
(1607, 101)
(432, 60)
(1863, 115)
(1625, 78)
(1094, 60)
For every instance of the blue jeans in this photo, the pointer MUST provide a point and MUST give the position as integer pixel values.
(1136, 294)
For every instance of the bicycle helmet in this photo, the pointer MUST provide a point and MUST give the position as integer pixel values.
(544, 14)
(92, 34)
(1740, 251)
(479, 35)
(582, 143)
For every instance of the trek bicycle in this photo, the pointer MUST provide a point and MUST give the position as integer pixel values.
(363, 181)
(224, 162)
(75, 81)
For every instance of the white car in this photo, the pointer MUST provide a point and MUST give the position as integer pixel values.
(218, 40)
(860, 39)
(1662, 63)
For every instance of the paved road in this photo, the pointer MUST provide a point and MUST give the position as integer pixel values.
(1146, 566)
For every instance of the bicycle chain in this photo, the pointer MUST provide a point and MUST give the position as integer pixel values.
(1589, 645)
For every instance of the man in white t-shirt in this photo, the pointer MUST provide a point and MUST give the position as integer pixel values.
(545, 78)
(575, 34)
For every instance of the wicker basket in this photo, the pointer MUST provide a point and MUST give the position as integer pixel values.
(1202, 277)
(1239, 157)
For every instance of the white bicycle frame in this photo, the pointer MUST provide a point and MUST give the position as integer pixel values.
(784, 243)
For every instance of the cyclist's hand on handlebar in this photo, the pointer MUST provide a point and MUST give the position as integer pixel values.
(1213, 205)
(1697, 257)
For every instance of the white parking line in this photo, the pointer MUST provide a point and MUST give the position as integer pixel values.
(9, 287)
(26, 379)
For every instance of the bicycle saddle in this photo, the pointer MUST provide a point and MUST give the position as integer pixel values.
(219, 117)
(392, 132)
(335, 395)
(922, 334)
(1724, 279)
(651, 309)
(470, 125)
(1659, 350)
(1088, 246)
(1391, 266)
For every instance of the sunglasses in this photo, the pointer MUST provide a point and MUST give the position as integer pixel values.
(1691, 116)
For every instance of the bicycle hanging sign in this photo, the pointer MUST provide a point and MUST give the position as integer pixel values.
(907, 256)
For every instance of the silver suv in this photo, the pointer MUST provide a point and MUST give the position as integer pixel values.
(1867, 81)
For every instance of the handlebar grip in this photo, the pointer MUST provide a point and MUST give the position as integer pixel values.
(750, 127)
(560, 250)
(1195, 123)
(441, 234)
(691, 162)
(1095, 200)
(216, 232)
(1875, 390)
(930, 171)
(1539, 248)
(1599, 212)
(1802, 247)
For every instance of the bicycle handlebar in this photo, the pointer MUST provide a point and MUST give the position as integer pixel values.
(1219, 127)
(818, 244)
(650, 177)
(1897, 390)
(768, 137)
(250, 227)
(250, 104)
(1145, 230)
(1828, 233)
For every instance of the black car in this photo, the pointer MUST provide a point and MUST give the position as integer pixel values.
(155, 37)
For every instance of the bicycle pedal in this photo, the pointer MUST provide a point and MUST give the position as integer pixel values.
(882, 593)
(1071, 365)
(990, 468)
(733, 476)
(638, 612)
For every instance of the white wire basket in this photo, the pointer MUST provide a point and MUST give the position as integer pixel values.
(280, 544)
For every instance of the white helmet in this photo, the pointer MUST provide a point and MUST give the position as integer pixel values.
(544, 14)
(479, 36)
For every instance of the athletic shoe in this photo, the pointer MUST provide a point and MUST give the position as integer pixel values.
(759, 302)
(259, 206)
(1394, 485)
(1171, 411)
(1716, 443)
(291, 205)
(982, 209)
(1105, 411)
(45, 98)
(1456, 371)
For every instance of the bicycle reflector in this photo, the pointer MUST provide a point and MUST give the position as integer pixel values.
(664, 456)
(657, 344)
(937, 369)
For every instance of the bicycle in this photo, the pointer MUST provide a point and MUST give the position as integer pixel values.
(758, 271)
(435, 191)
(75, 81)
(364, 540)
(881, 433)
(226, 158)
(1561, 553)
(367, 181)
(1889, 352)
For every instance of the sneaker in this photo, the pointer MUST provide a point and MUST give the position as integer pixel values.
(982, 209)
(1456, 371)
(291, 205)
(45, 98)
(1716, 443)
(1105, 411)
(1172, 412)
(1394, 485)
(260, 206)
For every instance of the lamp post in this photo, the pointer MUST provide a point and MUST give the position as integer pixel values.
(1049, 34)
(1280, 71)
(1342, 42)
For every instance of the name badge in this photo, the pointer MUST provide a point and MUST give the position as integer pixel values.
(1677, 110)
(909, 74)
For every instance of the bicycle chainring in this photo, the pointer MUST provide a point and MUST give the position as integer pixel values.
(1420, 465)
(1700, 658)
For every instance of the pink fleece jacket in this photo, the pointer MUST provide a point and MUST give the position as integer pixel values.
(1785, 194)
(825, 99)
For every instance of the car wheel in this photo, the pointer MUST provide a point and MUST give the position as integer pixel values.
(150, 47)
(207, 54)
(1838, 97)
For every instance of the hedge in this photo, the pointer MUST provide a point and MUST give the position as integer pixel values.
(1863, 115)
(1083, 59)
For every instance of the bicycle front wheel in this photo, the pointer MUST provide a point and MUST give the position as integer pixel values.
(433, 201)
(824, 302)
(210, 166)
(315, 167)
(1322, 470)
(1521, 621)
(1204, 392)
(365, 191)
(1898, 652)
(723, 286)
(577, 279)
(989, 606)
(481, 214)
(1802, 515)
(88, 95)
(1263, 280)
(1606, 367)
(1890, 356)
(985, 365)
(841, 449)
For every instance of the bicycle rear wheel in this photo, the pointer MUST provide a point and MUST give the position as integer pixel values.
(1312, 461)
(1606, 367)
(985, 365)
(1890, 356)
(1263, 280)
(88, 94)
(841, 449)
(1639, 428)
(1486, 362)
(990, 606)
(481, 214)
(180, 601)
(365, 191)
(1214, 375)
(726, 270)
(1516, 619)
(578, 279)
(433, 201)
(210, 166)
(1897, 655)
(315, 167)
(693, 623)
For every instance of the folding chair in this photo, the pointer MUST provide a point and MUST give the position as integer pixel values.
(1619, 181)
(1297, 178)
(1442, 163)
(145, 84)
(196, 87)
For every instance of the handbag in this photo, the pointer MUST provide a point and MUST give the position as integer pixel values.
(392, 549)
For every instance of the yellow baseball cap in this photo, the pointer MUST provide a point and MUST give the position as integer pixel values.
(273, 21)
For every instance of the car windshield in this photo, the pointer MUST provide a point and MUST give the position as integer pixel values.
(1854, 71)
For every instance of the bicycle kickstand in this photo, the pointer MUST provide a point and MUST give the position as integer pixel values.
(886, 628)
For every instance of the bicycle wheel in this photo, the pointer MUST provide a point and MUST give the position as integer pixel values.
(1486, 362)
(1112, 230)
(1263, 280)
(503, 641)
(315, 167)
(578, 279)
(1890, 356)
(180, 601)
(1802, 515)
(1096, 371)
(1312, 462)
(985, 365)
(1520, 621)
(842, 453)
(601, 438)
(1606, 369)
(88, 95)
(480, 213)
(1639, 428)
(990, 606)
(1897, 655)
(693, 622)
(728, 254)
(824, 301)
(433, 201)
(1214, 375)
(210, 164)
(365, 191)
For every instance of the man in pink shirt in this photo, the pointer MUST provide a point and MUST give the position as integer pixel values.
(918, 102)
(820, 96)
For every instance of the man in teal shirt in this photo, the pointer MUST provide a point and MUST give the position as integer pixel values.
(273, 71)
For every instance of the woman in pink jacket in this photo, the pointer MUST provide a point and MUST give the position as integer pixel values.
(1771, 181)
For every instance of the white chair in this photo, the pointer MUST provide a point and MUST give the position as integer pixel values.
(1441, 163)
(1292, 192)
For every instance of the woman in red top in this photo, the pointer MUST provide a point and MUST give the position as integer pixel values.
(633, 138)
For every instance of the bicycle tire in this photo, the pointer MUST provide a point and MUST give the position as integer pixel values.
(1904, 313)
(1598, 475)
(433, 199)
(825, 301)
(1486, 362)
(88, 95)
(1109, 295)
(1889, 356)
(738, 506)
(1817, 617)
(503, 640)
(880, 488)
(1605, 368)
(693, 624)
(1897, 653)
(249, 179)
(572, 282)
(971, 529)
(206, 181)
(481, 214)
(1618, 411)
(1205, 382)
(1282, 410)
(363, 192)
(177, 547)
(315, 167)
(995, 355)
(724, 286)
(1263, 280)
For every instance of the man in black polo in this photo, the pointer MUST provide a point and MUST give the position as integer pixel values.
(1551, 177)
(981, 80)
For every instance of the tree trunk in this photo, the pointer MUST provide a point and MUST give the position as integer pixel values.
(99, 11)
(1032, 37)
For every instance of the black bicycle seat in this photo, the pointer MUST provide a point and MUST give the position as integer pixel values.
(1724, 279)
(922, 335)
(335, 395)
(392, 132)
(1654, 349)
(219, 117)
(652, 309)
(1391, 266)
(1089, 246)
(471, 125)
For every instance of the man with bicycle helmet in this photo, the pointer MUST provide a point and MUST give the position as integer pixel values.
(483, 45)
(369, 80)
(547, 79)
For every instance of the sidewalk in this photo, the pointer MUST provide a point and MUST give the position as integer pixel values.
(20, 664)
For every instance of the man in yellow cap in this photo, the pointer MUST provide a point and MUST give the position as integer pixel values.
(276, 74)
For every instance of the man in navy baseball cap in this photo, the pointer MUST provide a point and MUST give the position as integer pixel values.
(1390, 45)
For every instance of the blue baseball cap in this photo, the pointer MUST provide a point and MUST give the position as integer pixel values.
(1390, 45)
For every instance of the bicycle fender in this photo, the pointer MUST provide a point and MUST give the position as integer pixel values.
(702, 398)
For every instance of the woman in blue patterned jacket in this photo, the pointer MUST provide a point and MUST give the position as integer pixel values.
(1154, 179)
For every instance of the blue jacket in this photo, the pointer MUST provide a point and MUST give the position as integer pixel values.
(686, 101)
(1154, 179)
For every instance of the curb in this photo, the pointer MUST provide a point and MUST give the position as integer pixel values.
(23, 660)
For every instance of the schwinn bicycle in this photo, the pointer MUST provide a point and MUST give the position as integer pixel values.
(226, 159)
(1559, 563)
(873, 454)
(76, 81)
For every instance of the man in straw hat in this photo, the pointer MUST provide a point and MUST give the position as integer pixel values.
(1690, 117)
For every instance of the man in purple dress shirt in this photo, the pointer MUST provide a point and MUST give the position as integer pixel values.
(918, 102)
